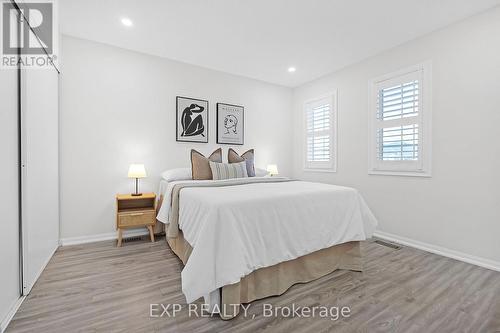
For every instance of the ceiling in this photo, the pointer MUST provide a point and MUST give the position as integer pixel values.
(261, 39)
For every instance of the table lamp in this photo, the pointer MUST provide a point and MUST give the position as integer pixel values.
(137, 171)
(272, 169)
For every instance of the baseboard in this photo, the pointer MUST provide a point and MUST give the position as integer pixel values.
(13, 309)
(442, 251)
(100, 237)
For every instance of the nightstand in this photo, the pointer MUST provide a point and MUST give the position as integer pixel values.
(135, 211)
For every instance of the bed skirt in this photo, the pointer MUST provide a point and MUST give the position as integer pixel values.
(275, 280)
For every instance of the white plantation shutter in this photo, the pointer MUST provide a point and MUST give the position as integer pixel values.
(398, 143)
(320, 121)
(397, 134)
(396, 103)
(318, 133)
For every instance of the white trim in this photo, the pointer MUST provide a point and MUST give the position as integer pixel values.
(320, 166)
(401, 72)
(100, 237)
(27, 288)
(439, 250)
(13, 309)
(423, 167)
(319, 170)
(399, 173)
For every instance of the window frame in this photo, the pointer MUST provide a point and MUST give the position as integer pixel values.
(421, 167)
(331, 165)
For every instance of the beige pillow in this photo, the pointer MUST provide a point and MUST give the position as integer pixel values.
(248, 157)
(200, 166)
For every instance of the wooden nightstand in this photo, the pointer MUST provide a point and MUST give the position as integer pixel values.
(135, 211)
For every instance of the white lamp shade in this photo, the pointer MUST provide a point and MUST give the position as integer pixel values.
(137, 171)
(272, 169)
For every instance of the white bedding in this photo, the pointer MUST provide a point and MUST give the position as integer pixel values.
(235, 230)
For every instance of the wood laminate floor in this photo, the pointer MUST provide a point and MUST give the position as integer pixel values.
(100, 288)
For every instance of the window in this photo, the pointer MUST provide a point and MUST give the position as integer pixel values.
(400, 118)
(320, 141)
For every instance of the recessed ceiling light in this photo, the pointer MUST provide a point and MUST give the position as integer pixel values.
(127, 22)
(291, 69)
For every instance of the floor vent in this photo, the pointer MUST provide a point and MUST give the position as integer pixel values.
(387, 244)
(132, 239)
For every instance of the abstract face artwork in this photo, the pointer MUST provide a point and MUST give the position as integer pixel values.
(192, 120)
(230, 124)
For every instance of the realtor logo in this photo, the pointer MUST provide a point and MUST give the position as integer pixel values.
(27, 34)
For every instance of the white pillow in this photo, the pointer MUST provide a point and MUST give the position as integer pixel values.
(176, 174)
(260, 172)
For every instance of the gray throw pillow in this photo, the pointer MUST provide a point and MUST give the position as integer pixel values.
(248, 157)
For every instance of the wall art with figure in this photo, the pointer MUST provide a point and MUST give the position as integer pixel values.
(192, 120)
(230, 124)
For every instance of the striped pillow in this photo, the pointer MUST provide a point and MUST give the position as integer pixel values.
(228, 171)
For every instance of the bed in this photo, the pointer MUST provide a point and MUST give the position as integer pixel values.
(250, 238)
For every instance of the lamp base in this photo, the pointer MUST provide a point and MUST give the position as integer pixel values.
(136, 194)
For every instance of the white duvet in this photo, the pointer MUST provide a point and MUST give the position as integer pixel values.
(235, 230)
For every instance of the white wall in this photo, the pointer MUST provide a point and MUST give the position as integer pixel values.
(459, 207)
(118, 107)
(9, 237)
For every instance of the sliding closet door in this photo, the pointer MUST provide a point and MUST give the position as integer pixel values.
(9, 221)
(41, 165)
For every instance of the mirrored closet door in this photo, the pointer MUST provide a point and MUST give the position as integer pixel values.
(10, 275)
(29, 195)
(40, 165)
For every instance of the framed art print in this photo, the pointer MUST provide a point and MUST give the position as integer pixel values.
(230, 124)
(191, 120)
